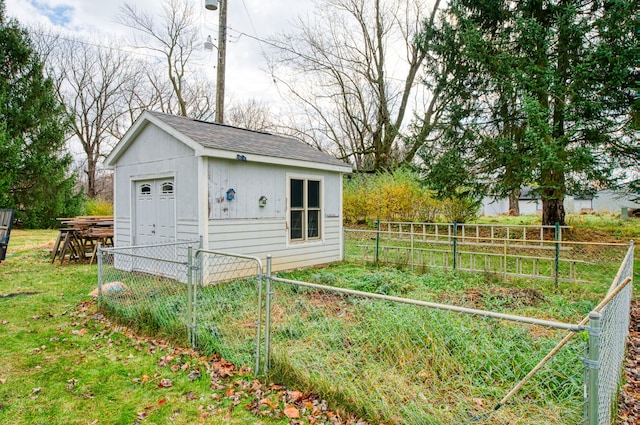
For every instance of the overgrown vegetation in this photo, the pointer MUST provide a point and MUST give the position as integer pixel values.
(382, 360)
(98, 206)
(400, 196)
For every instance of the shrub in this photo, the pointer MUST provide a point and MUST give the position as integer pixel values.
(399, 196)
(460, 209)
(98, 206)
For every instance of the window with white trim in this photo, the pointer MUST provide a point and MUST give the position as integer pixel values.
(145, 189)
(167, 188)
(305, 209)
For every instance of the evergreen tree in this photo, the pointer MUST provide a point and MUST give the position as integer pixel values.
(544, 96)
(34, 170)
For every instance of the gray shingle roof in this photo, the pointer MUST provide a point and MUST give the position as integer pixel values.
(241, 141)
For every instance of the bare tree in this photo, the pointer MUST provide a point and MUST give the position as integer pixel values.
(251, 114)
(93, 83)
(351, 74)
(173, 35)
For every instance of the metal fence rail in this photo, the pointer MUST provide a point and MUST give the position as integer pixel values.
(526, 251)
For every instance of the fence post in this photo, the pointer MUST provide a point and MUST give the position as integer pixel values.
(557, 271)
(259, 319)
(190, 335)
(99, 253)
(593, 366)
(455, 245)
(504, 258)
(267, 319)
(377, 242)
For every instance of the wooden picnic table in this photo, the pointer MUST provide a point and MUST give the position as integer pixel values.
(79, 237)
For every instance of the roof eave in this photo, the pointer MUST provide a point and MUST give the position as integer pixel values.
(264, 159)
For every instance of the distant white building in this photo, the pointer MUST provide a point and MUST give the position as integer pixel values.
(604, 200)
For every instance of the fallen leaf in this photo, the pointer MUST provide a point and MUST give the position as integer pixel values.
(165, 383)
(3, 380)
(195, 374)
(296, 396)
(162, 402)
(291, 412)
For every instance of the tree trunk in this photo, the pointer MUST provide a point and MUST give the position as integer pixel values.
(514, 202)
(552, 211)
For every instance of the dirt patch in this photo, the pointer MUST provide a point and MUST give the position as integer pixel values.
(17, 294)
(505, 297)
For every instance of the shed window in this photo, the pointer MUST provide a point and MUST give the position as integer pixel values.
(145, 190)
(305, 209)
(167, 188)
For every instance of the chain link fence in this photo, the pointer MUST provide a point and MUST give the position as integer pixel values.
(228, 306)
(607, 346)
(393, 360)
(147, 286)
(384, 358)
(504, 251)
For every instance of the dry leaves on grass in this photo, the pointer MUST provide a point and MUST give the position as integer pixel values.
(226, 381)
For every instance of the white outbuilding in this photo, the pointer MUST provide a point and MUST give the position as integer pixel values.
(240, 191)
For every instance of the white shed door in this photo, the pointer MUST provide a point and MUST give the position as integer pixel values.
(155, 212)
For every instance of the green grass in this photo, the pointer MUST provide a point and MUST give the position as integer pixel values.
(64, 363)
(387, 360)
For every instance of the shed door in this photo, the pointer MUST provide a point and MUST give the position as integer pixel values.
(155, 216)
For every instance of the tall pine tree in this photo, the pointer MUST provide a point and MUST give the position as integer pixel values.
(34, 165)
(544, 96)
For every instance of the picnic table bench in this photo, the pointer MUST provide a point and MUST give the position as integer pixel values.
(6, 221)
(78, 237)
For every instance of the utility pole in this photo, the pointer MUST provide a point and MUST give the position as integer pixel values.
(222, 53)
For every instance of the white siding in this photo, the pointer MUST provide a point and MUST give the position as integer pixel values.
(241, 226)
(608, 200)
(156, 154)
(260, 238)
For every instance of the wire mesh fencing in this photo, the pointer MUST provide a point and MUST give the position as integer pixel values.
(505, 251)
(227, 306)
(384, 358)
(393, 360)
(607, 346)
(147, 286)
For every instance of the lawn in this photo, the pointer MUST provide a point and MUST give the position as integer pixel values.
(64, 363)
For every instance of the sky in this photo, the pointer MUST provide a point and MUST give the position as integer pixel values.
(246, 75)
